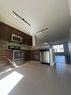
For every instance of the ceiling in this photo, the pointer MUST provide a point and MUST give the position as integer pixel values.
(70, 6)
(51, 14)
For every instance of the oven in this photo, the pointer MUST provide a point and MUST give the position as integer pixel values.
(18, 56)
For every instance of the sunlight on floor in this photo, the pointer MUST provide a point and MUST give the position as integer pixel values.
(7, 70)
(9, 82)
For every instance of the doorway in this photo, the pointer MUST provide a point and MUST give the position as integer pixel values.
(60, 59)
(59, 54)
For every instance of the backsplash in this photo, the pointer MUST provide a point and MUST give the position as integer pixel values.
(3, 44)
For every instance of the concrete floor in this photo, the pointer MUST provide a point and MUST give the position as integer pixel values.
(40, 79)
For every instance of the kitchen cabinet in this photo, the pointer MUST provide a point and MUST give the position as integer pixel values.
(32, 55)
(28, 40)
(6, 32)
(5, 56)
(35, 55)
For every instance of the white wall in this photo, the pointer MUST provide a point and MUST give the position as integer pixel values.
(70, 6)
(69, 43)
(6, 21)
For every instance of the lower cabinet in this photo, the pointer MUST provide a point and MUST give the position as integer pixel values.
(5, 56)
(33, 55)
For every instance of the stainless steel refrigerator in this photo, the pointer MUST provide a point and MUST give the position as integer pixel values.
(45, 56)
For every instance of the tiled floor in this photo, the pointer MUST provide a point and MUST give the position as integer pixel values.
(40, 79)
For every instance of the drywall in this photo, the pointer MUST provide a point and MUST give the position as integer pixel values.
(69, 43)
(12, 24)
(70, 6)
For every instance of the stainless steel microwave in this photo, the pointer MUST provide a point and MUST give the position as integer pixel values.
(16, 38)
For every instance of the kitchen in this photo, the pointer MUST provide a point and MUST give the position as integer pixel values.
(35, 47)
(16, 47)
(9, 43)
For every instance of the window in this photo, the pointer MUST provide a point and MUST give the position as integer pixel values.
(58, 48)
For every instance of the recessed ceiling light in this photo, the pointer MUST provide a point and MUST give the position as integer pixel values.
(45, 43)
(15, 16)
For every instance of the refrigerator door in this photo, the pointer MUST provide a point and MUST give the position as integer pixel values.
(44, 57)
(52, 57)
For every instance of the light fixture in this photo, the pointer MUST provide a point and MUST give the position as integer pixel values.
(42, 30)
(15, 16)
(45, 43)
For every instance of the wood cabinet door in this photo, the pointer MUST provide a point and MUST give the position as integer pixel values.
(29, 40)
(6, 32)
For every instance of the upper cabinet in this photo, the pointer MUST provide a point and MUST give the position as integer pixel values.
(28, 40)
(6, 32)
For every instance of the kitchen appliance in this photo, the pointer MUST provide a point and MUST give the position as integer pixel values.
(45, 56)
(18, 57)
(52, 57)
(16, 38)
(13, 47)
